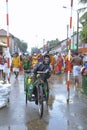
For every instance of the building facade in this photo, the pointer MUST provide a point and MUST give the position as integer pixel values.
(63, 46)
(12, 42)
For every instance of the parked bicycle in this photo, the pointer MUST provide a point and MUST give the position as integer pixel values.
(36, 89)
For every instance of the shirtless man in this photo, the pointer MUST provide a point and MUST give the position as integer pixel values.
(77, 64)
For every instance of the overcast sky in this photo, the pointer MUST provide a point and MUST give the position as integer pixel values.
(35, 20)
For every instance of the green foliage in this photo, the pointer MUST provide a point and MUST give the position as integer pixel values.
(21, 44)
(84, 84)
(84, 34)
(24, 46)
(83, 1)
(83, 21)
(53, 42)
(34, 50)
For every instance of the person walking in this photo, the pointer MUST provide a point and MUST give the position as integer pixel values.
(1, 65)
(6, 70)
(16, 64)
(85, 58)
(59, 64)
(77, 63)
(26, 62)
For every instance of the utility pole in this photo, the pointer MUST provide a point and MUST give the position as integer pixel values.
(77, 29)
(67, 36)
(73, 38)
(8, 44)
(77, 11)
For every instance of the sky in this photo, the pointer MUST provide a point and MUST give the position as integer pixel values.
(35, 20)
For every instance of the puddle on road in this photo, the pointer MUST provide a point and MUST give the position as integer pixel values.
(14, 127)
(55, 117)
(37, 124)
(62, 99)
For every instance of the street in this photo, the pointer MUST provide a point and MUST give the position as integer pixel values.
(58, 116)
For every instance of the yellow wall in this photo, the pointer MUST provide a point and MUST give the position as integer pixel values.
(4, 39)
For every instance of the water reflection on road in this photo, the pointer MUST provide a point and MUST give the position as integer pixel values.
(53, 117)
(58, 115)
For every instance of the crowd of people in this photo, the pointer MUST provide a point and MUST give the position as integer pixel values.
(58, 63)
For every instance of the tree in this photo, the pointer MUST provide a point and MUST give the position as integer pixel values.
(35, 50)
(83, 21)
(21, 44)
(53, 42)
(83, 1)
(84, 34)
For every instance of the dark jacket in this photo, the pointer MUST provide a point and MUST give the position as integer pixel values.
(43, 67)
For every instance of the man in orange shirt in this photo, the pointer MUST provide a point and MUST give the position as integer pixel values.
(66, 63)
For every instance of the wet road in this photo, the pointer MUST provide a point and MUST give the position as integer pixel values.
(58, 116)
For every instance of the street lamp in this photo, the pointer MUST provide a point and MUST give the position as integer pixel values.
(78, 11)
